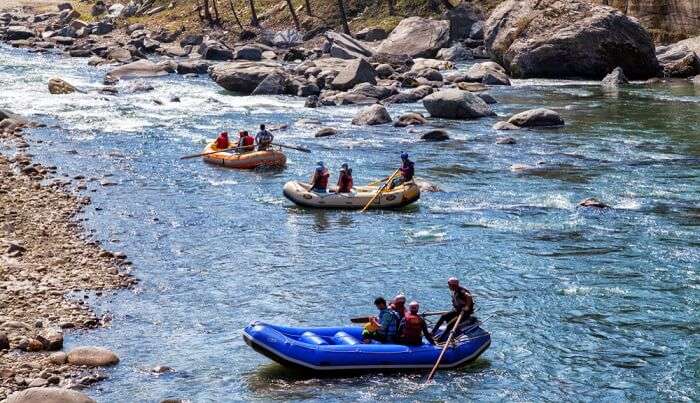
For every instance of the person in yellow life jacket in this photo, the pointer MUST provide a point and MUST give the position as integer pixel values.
(413, 327)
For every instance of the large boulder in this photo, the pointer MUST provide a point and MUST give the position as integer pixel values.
(273, 84)
(410, 96)
(682, 59)
(455, 53)
(248, 53)
(355, 72)
(456, 104)
(49, 395)
(92, 357)
(118, 54)
(371, 34)
(374, 91)
(615, 79)
(417, 37)
(461, 19)
(16, 32)
(59, 86)
(479, 71)
(373, 115)
(346, 47)
(539, 117)
(243, 77)
(574, 38)
(213, 50)
(193, 67)
(138, 69)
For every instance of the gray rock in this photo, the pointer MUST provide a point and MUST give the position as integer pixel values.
(455, 53)
(410, 119)
(49, 395)
(243, 77)
(615, 79)
(102, 28)
(679, 60)
(505, 140)
(4, 342)
(486, 97)
(462, 18)
(384, 70)
(505, 126)
(59, 86)
(456, 104)
(371, 34)
(477, 31)
(58, 358)
(192, 40)
(311, 101)
(478, 71)
(411, 96)
(416, 37)
(273, 84)
(118, 54)
(574, 38)
(593, 203)
(325, 132)
(435, 135)
(355, 72)
(17, 32)
(495, 78)
(138, 69)
(213, 50)
(374, 91)
(92, 356)
(248, 53)
(539, 117)
(346, 47)
(373, 115)
(429, 74)
(64, 6)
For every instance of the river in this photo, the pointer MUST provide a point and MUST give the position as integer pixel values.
(583, 304)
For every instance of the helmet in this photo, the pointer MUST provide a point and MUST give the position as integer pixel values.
(404, 155)
(453, 280)
(345, 165)
(320, 164)
(400, 297)
(413, 306)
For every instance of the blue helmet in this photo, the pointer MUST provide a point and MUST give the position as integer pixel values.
(319, 166)
(404, 155)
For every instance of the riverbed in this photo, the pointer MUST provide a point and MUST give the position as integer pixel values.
(582, 304)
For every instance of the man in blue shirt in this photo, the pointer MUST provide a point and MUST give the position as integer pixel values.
(384, 326)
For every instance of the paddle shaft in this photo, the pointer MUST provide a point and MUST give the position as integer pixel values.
(306, 150)
(381, 189)
(447, 344)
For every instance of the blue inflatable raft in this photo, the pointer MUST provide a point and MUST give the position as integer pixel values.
(340, 349)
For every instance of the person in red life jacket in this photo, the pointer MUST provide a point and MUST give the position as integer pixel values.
(246, 141)
(406, 171)
(461, 301)
(413, 327)
(319, 182)
(399, 305)
(222, 141)
(345, 180)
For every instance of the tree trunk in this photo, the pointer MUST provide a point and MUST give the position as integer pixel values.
(392, 10)
(216, 12)
(343, 17)
(307, 4)
(253, 15)
(294, 15)
(235, 15)
(207, 13)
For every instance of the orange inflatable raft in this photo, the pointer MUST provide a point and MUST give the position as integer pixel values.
(250, 160)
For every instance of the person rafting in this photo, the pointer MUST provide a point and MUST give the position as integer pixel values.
(462, 300)
(383, 327)
(406, 171)
(222, 141)
(319, 181)
(412, 327)
(398, 305)
(246, 142)
(345, 182)
(264, 138)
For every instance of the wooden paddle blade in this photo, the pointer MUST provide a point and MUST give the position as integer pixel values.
(362, 319)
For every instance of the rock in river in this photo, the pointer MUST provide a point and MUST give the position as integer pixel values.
(574, 38)
(615, 79)
(243, 77)
(92, 357)
(539, 117)
(456, 104)
(355, 72)
(59, 86)
(435, 135)
(325, 132)
(139, 69)
(417, 37)
(373, 115)
(49, 395)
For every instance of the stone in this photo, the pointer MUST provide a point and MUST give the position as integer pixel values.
(495, 78)
(16, 32)
(679, 60)
(456, 104)
(411, 96)
(410, 119)
(477, 30)
(435, 135)
(486, 97)
(455, 53)
(539, 117)
(377, 92)
(478, 71)
(49, 395)
(615, 79)
(355, 72)
(138, 69)
(33, 345)
(346, 47)
(286, 38)
(505, 140)
(242, 76)
(593, 202)
(38, 383)
(52, 340)
(505, 126)
(248, 53)
(561, 39)
(371, 34)
(461, 19)
(472, 87)
(429, 74)
(373, 115)
(58, 358)
(102, 28)
(384, 70)
(422, 64)
(273, 84)
(213, 50)
(92, 357)
(4, 341)
(193, 67)
(118, 54)
(191, 40)
(59, 86)
(311, 101)
(98, 9)
(137, 27)
(64, 6)
(416, 37)
(325, 132)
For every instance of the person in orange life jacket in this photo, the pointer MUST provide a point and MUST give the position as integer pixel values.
(222, 141)
(319, 182)
(461, 301)
(413, 327)
(246, 141)
(399, 305)
(406, 171)
(345, 180)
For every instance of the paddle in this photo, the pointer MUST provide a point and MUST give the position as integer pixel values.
(306, 150)
(381, 189)
(447, 344)
(211, 152)
(365, 319)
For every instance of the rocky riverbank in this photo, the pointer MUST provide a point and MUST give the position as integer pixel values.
(46, 264)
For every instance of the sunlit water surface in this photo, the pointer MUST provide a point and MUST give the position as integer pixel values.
(582, 305)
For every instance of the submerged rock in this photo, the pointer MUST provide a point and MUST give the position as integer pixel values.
(593, 202)
(410, 119)
(435, 135)
(456, 104)
(504, 126)
(539, 117)
(505, 140)
(325, 132)
(373, 115)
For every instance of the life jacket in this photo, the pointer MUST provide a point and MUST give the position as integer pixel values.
(344, 183)
(407, 170)
(222, 142)
(412, 332)
(322, 179)
(461, 299)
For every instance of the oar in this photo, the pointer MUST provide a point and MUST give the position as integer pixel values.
(306, 150)
(365, 319)
(212, 152)
(381, 189)
(447, 344)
